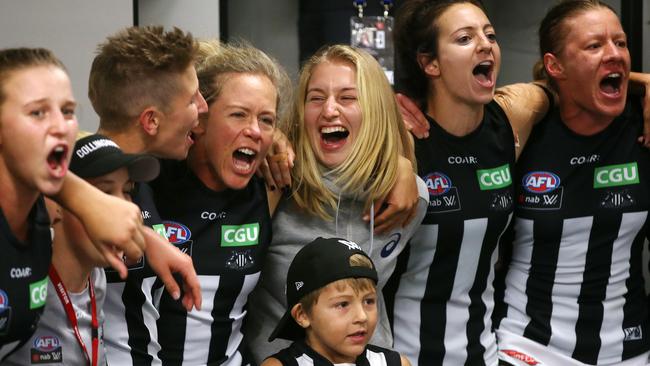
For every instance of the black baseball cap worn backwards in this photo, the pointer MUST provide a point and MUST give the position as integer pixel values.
(96, 155)
(316, 265)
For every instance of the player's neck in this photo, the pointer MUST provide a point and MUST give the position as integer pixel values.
(72, 269)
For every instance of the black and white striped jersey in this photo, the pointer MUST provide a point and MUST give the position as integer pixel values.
(227, 235)
(300, 354)
(444, 302)
(23, 278)
(574, 284)
(130, 331)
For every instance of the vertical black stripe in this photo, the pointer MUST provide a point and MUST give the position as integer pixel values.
(139, 337)
(230, 285)
(477, 309)
(171, 331)
(593, 291)
(440, 284)
(634, 312)
(540, 281)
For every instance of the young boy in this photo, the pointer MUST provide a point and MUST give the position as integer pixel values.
(332, 309)
(70, 331)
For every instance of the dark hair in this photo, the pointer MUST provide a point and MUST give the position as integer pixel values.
(13, 59)
(552, 30)
(416, 32)
(136, 68)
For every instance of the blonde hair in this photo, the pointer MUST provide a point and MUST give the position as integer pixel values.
(357, 284)
(136, 68)
(370, 170)
(217, 61)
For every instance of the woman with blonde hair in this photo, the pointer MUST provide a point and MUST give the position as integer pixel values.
(350, 144)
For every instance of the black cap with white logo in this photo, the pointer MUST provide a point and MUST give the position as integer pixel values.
(316, 265)
(97, 155)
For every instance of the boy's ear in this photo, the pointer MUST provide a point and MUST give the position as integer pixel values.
(300, 316)
(149, 120)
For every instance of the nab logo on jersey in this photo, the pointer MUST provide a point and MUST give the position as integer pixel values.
(437, 183)
(540, 182)
(177, 233)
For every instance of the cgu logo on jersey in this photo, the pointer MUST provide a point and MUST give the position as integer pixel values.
(46, 349)
(37, 294)
(437, 183)
(616, 175)
(494, 178)
(176, 233)
(540, 182)
(240, 236)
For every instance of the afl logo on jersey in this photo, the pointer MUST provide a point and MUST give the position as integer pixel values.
(47, 343)
(437, 183)
(4, 300)
(540, 182)
(5, 313)
(177, 233)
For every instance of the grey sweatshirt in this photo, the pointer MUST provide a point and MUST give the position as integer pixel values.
(293, 228)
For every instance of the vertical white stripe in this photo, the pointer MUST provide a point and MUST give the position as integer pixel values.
(150, 316)
(116, 334)
(457, 306)
(568, 282)
(518, 272)
(237, 314)
(413, 283)
(197, 326)
(611, 332)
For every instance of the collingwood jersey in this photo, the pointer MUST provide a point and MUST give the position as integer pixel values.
(574, 284)
(227, 234)
(300, 354)
(445, 299)
(23, 278)
(130, 334)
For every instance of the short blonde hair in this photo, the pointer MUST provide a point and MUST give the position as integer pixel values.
(136, 68)
(370, 170)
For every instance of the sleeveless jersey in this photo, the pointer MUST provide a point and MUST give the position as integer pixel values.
(227, 234)
(300, 354)
(23, 278)
(445, 296)
(54, 341)
(131, 336)
(574, 284)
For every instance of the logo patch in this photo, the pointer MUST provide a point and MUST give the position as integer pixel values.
(240, 236)
(437, 183)
(37, 294)
(618, 199)
(520, 356)
(46, 349)
(540, 182)
(494, 178)
(633, 333)
(240, 260)
(350, 244)
(5, 313)
(616, 175)
(391, 245)
(501, 201)
(299, 285)
(176, 233)
(443, 197)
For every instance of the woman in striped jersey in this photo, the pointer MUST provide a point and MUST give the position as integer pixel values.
(450, 60)
(574, 289)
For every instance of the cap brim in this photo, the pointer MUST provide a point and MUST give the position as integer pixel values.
(288, 329)
(142, 168)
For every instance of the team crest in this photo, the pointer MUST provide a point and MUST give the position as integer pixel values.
(240, 259)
